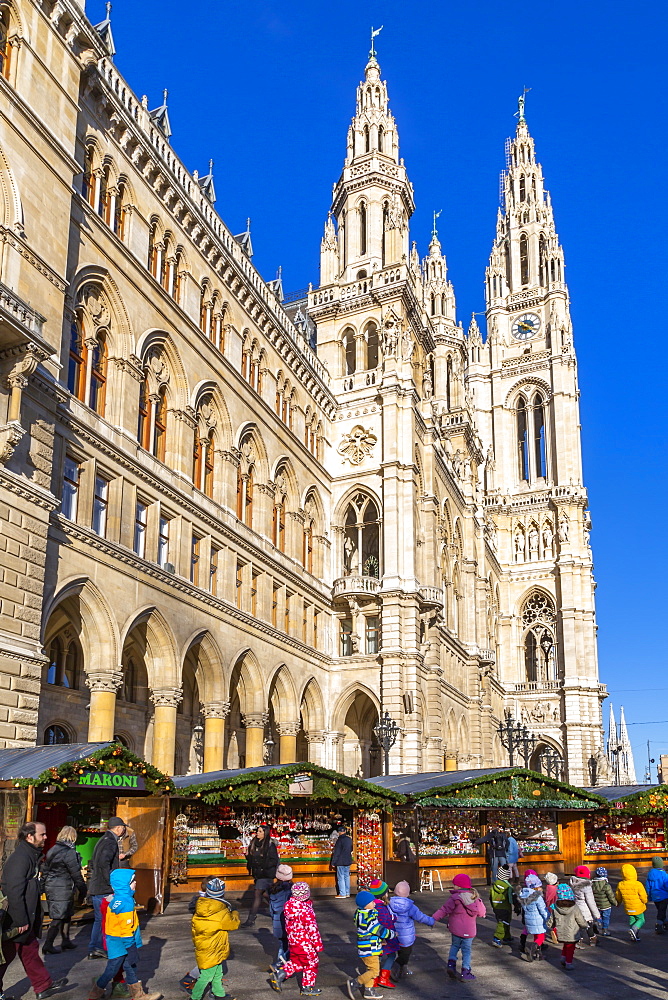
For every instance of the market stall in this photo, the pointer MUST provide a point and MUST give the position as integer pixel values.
(632, 828)
(452, 810)
(214, 817)
(83, 785)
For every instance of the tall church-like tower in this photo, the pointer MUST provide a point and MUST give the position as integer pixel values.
(526, 392)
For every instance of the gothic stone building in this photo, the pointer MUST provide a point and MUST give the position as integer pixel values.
(278, 516)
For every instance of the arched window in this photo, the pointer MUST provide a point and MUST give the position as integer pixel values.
(76, 368)
(205, 312)
(349, 351)
(176, 270)
(64, 663)
(307, 548)
(362, 215)
(98, 374)
(154, 254)
(386, 218)
(381, 136)
(104, 200)
(209, 464)
(539, 620)
(88, 187)
(542, 259)
(372, 346)
(361, 538)
(523, 188)
(448, 384)
(5, 42)
(522, 440)
(433, 304)
(160, 426)
(524, 259)
(278, 526)
(245, 494)
(119, 212)
(533, 187)
(367, 139)
(55, 735)
(540, 458)
(144, 422)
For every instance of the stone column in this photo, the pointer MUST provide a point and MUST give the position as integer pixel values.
(333, 745)
(316, 747)
(164, 727)
(102, 712)
(214, 714)
(287, 734)
(255, 723)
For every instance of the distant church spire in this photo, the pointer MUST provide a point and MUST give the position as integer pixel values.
(627, 764)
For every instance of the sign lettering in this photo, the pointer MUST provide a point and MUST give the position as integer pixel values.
(101, 779)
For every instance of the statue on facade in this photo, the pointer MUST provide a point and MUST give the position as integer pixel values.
(533, 542)
(548, 539)
(519, 545)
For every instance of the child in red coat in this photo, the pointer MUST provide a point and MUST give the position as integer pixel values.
(304, 940)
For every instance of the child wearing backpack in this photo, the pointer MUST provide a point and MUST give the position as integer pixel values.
(567, 921)
(535, 916)
(461, 911)
(503, 900)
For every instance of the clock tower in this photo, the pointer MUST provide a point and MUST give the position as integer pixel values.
(524, 382)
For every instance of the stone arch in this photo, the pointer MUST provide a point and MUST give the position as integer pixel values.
(247, 700)
(283, 695)
(312, 707)
(356, 715)
(92, 619)
(210, 672)
(11, 206)
(290, 487)
(528, 384)
(163, 664)
(160, 342)
(339, 513)
(249, 431)
(94, 290)
(224, 425)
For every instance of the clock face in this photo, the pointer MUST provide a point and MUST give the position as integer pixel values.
(527, 326)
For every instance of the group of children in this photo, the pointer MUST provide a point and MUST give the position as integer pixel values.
(576, 911)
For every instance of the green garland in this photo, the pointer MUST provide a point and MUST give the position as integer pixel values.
(271, 787)
(653, 802)
(516, 787)
(114, 758)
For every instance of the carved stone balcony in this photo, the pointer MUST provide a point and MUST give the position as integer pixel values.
(356, 586)
(431, 597)
(486, 655)
(19, 323)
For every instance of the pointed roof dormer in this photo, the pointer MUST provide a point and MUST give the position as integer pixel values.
(244, 240)
(104, 31)
(206, 184)
(160, 116)
(276, 285)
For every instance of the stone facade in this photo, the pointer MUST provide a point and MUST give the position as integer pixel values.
(236, 525)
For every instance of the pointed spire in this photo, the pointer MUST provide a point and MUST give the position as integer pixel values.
(435, 244)
(104, 31)
(626, 752)
(206, 184)
(244, 240)
(612, 735)
(474, 335)
(160, 116)
(276, 284)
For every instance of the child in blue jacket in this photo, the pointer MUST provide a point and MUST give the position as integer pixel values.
(405, 914)
(657, 891)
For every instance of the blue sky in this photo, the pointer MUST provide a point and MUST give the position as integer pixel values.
(267, 89)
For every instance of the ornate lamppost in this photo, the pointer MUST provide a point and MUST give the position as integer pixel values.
(516, 738)
(546, 645)
(551, 764)
(386, 733)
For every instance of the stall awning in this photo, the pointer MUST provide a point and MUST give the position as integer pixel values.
(491, 788)
(615, 792)
(638, 800)
(30, 762)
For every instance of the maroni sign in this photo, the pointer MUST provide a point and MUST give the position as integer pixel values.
(102, 779)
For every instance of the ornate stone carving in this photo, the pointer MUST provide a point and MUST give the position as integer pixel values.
(109, 681)
(10, 435)
(216, 710)
(255, 720)
(167, 697)
(157, 370)
(92, 299)
(355, 447)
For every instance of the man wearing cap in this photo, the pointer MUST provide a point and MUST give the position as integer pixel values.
(107, 856)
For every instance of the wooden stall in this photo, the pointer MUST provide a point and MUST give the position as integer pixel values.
(83, 785)
(215, 815)
(438, 833)
(632, 829)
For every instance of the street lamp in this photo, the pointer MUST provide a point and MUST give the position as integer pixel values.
(268, 749)
(516, 737)
(546, 645)
(386, 733)
(551, 764)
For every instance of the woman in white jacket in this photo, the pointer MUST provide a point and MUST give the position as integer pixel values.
(584, 899)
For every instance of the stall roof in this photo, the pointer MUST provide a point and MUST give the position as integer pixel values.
(30, 762)
(186, 780)
(615, 792)
(413, 784)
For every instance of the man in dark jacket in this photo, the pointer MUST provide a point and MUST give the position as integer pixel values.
(21, 884)
(497, 847)
(107, 856)
(340, 861)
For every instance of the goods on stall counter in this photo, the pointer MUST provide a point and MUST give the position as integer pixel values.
(534, 830)
(448, 832)
(179, 870)
(369, 848)
(624, 833)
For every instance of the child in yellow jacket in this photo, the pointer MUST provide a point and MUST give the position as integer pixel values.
(212, 921)
(631, 892)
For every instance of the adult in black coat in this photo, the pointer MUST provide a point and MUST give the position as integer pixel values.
(262, 862)
(107, 856)
(21, 884)
(62, 881)
(340, 861)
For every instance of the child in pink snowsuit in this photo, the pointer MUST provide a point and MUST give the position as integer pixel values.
(304, 940)
(461, 911)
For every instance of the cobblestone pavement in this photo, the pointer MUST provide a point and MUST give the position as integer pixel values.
(616, 969)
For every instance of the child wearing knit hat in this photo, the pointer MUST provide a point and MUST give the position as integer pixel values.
(656, 884)
(370, 937)
(567, 920)
(405, 914)
(381, 891)
(279, 893)
(212, 921)
(304, 942)
(461, 911)
(503, 898)
(604, 895)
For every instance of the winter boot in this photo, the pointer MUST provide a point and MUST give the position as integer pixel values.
(311, 991)
(277, 978)
(96, 992)
(119, 991)
(137, 992)
(523, 943)
(452, 968)
(659, 927)
(466, 975)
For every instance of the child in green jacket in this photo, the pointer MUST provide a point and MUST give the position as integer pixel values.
(504, 900)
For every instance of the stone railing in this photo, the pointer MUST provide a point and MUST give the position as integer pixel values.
(355, 585)
(431, 595)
